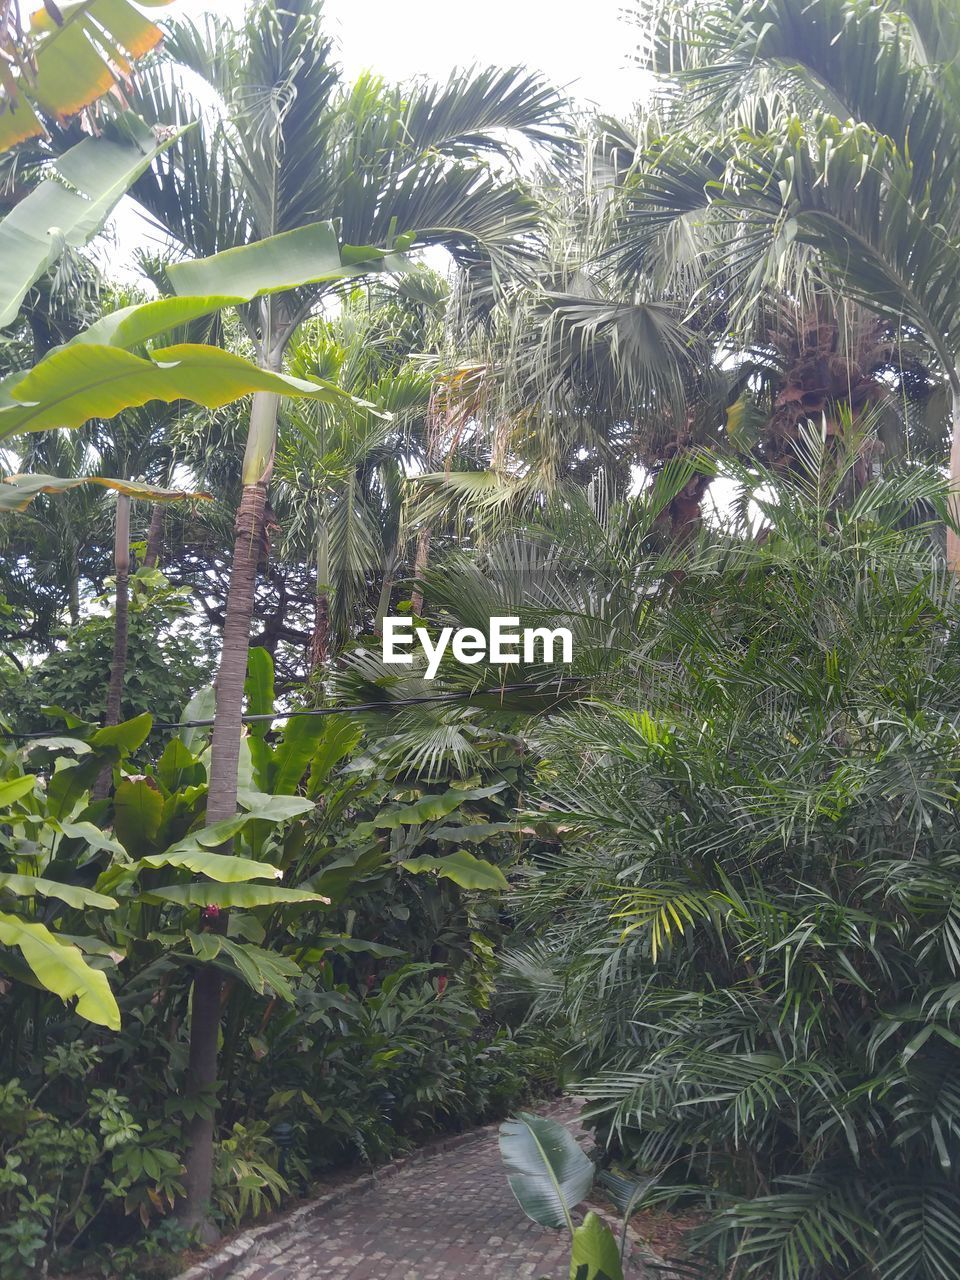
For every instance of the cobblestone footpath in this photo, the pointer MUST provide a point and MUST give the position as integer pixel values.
(450, 1216)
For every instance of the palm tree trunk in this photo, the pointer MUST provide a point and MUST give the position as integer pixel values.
(320, 644)
(386, 590)
(121, 560)
(154, 537)
(421, 563)
(953, 538)
(222, 796)
(118, 665)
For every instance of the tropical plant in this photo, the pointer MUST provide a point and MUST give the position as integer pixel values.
(831, 165)
(289, 145)
(745, 932)
(550, 1176)
(68, 58)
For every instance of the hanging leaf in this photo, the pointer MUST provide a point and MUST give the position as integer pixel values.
(137, 814)
(76, 383)
(60, 968)
(55, 216)
(76, 49)
(222, 867)
(73, 895)
(17, 492)
(230, 895)
(462, 867)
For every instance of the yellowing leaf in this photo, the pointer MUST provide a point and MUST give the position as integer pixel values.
(60, 968)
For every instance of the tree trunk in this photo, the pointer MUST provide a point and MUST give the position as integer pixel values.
(222, 795)
(953, 538)
(118, 666)
(154, 536)
(386, 590)
(420, 564)
(320, 644)
(121, 562)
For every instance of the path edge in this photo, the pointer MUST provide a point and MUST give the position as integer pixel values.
(220, 1264)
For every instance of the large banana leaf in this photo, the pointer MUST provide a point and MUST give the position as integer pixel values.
(309, 254)
(547, 1169)
(54, 216)
(71, 68)
(17, 492)
(224, 868)
(77, 383)
(462, 867)
(73, 895)
(230, 895)
(60, 967)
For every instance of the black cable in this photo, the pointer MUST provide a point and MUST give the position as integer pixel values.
(323, 711)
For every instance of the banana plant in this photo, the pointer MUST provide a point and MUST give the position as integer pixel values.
(67, 58)
(550, 1175)
(69, 207)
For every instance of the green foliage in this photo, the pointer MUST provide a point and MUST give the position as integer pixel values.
(748, 933)
(166, 662)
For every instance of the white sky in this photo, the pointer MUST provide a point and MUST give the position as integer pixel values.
(587, 49)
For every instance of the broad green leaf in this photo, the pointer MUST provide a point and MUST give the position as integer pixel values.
(546, 1167)
(201, 706)
(231, 895)
(595, 1248)
(138, 812)
(261, 969)
(258, 688)
(340, 737)
(126, 736)
(17, 492)
(429, 808)
(462, 867)
(54, 216)
(73, 895)
(133, 326)
(61, 968)
(15, 789)
(92, 836)
(222, 867)
(325, 942)
(268, 808)
(76, 383)
(178, 766)
(306, 255)
(68, 788)
(294, 752)
(76, 745)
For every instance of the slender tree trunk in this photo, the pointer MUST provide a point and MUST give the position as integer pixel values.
(73, 585)
(154, 536)
(118, 666)
(222, 795)
(953, 539)
(386, 590)
(121, 562)
(421, 563)
(320, 643)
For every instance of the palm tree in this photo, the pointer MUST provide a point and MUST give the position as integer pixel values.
(834, 166)
(288, 146)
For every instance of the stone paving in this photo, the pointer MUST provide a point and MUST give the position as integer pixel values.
(450, 1216)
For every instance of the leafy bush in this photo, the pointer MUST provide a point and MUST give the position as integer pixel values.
(750, 932)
